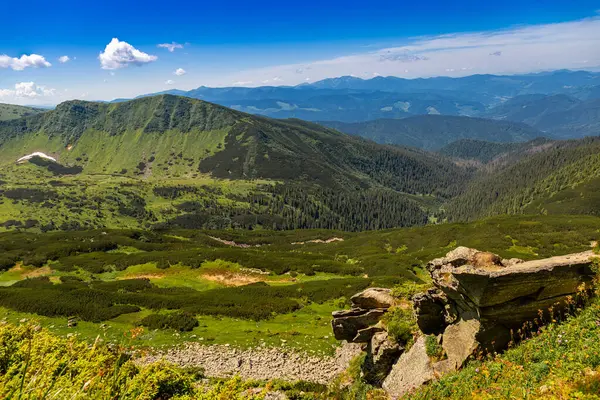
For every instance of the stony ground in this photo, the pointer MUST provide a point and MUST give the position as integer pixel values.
(260, 363)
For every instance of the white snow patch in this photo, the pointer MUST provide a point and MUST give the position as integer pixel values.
(36, 154)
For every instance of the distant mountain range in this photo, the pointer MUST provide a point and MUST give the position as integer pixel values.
(351, 99)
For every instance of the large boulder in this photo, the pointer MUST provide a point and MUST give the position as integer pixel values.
(373, 298)
(513, 295)
(413, 369)
(347, 323)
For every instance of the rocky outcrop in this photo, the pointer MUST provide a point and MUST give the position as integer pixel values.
(502, 295)
(477, 304)
(356, 324)
(362, 324)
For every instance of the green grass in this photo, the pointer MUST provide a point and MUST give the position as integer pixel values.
(308, 329)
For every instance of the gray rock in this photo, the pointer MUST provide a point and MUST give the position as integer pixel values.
(530, 281)
(373, 298)
(460, 341)
(346, 324)
(443, 367)
(365, 335)
(382, 354)
(412, 370)
(457, 257)
(430, 309)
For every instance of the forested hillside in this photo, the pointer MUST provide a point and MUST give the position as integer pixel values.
(169, 161)
(175, 161)
(561, 179)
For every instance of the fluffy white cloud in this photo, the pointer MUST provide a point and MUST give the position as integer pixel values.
(170, 46)
(119, 54)
(180, 72)
(64, 59)
(30, 89)
(524, 49)
(27, 90)
(169, 82)
(25, 61)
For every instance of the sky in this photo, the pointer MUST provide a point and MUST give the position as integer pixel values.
(52, 51)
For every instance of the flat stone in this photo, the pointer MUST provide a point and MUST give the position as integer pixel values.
(373, 298)
(537, 279)
(365, 335)
(347, 324)
(412, 370)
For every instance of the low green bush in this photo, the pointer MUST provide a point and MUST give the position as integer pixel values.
(180, 321)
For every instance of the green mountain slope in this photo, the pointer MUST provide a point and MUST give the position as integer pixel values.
(175, 161)
(12, 111)
(431, 132)
(169, 136)
(561, 178)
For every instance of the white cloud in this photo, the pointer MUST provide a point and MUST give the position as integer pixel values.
(119, 54)
(522, 49)
(170, 46)
(30, 89)
(64, 59)
(169, 82)
(25, 61)
(242, 83)
(27, 90)
(180, 72)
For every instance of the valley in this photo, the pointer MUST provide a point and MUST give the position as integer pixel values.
(213, 245)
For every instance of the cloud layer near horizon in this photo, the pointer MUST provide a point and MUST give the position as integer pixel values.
(572, 45)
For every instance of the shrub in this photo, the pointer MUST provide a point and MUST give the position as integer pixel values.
(433, 348)
(179, 321)
(160, 381)
(400, 323)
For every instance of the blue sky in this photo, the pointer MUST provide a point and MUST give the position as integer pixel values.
(273, 43)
